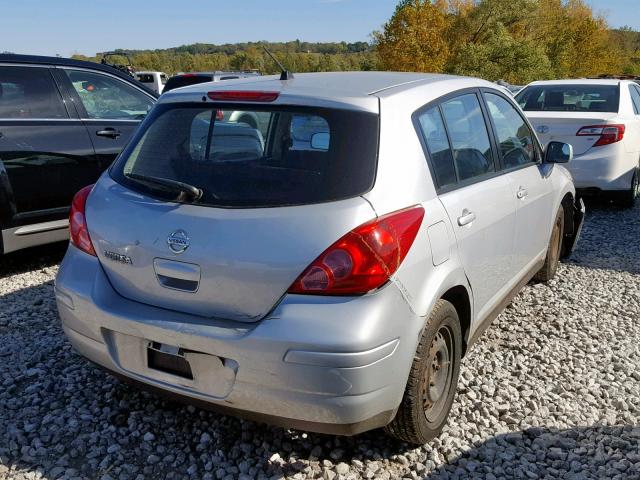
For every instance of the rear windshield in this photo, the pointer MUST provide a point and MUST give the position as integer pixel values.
(145, 77)
(252, 157)
(185, 80)
(570, 98)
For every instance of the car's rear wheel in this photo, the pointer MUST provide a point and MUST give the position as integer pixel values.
(433, 378)
(551, 261)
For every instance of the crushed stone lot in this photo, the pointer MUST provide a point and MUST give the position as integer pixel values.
(552, 390)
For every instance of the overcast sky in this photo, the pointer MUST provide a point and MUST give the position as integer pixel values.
(46, 27)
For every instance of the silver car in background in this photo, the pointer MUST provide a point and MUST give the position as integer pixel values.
(327, 270)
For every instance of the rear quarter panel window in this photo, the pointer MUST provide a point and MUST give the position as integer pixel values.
(435, 137)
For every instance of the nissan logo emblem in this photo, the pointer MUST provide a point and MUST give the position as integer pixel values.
(178, 241)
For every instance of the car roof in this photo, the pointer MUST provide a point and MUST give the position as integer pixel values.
(340, 84)
(218, 72)
(579, 81)
(349, 83)
(69, 62)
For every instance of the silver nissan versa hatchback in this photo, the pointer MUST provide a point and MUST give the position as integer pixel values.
(326, 269)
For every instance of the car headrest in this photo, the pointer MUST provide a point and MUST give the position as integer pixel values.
(554, 99)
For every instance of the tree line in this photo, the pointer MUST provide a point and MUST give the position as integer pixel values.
(298, 56)
(514, 40)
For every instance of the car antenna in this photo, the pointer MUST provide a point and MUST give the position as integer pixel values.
(284, 73)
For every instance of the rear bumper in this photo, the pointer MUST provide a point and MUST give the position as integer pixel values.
(332, 365)
(609, 167)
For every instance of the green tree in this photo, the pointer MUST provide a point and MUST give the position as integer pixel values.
(414, 39)
(502, 56)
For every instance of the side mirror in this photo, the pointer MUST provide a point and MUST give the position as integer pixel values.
(558, 152)
(320, 141)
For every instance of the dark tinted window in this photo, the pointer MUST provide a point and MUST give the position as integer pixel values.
(185, 80)
(29, 92)
(469, 136)
(570, 98)
(435, 136)
(304, 156)
(144, 77)
(517, 146)
(635, 98)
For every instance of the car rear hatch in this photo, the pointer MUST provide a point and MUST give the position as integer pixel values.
(564, 126)
(273, 199)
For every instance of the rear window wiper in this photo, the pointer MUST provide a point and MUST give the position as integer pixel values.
(191, 191)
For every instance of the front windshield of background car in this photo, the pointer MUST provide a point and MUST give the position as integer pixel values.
(254, 157)
(569, 98)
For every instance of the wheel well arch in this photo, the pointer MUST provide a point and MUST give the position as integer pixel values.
(458, 296)
(567, 206)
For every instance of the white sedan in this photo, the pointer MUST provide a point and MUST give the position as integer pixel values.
(601, 119)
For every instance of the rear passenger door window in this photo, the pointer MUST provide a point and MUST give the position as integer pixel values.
(515, 140)
(29, 93)
(469, 137)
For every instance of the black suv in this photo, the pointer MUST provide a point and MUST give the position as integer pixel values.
(62, 123)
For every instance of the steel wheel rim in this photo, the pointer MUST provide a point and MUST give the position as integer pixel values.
(438, 374)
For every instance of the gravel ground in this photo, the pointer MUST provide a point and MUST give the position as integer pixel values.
(552, 390)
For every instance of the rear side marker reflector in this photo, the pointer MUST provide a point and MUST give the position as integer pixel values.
(363, 259)
(608, 133)
(243, 96)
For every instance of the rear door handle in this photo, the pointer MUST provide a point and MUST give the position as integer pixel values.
(109, 132)
(522, 193)
(466, 218)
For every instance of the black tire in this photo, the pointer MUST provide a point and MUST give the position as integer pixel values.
(628, 198)
(554, 251)
(424, 409)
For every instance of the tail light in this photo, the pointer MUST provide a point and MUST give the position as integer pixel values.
(243, 96)
(608, 133)
(363, 259)
(78, 222)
